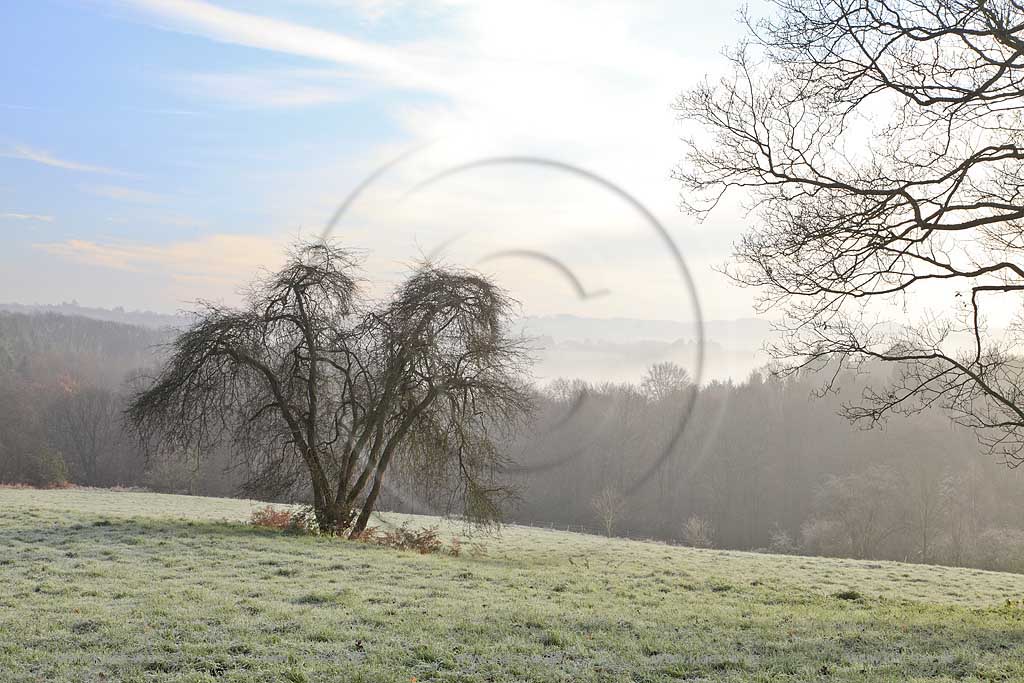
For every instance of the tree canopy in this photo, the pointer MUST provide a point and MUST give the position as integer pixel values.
(310, 383)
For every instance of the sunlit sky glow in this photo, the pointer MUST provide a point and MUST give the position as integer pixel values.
(156, 151)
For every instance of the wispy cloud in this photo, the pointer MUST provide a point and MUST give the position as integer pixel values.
(266, 33)
(585, 81)
(26, 217)
(288, 88)
(23, 107)
(230, 259)
(164, 112)
(126, 194)
(172, 220)
(136, 110)
(46, 158)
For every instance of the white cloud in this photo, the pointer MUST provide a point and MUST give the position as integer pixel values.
(588, 83)
(26, 217)
(39, 156)
(242, 28)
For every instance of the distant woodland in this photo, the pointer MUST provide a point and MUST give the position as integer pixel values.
(763, 464)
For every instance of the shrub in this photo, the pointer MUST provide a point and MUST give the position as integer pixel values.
(698, 532)
(299, 521)
(424, 541)
(823, 537)
(304, 521)
(848, 594)
(271, 518)
(782, 542)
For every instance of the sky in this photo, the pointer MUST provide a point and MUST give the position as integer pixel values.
(154, 152)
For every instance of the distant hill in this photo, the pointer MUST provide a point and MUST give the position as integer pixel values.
(117, 315)
(43, 346)
(621, 349)
(739, 333)
(595, 349)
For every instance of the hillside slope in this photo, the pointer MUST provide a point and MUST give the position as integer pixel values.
(145, 587)
(41, 346)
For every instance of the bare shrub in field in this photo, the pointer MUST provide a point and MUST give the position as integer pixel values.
(301, 520)
(271, 518)
(698, 532)
(609, 504)
(822, 537)
(425, 541)
(782, 542)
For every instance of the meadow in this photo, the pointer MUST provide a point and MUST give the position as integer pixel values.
(118, 586)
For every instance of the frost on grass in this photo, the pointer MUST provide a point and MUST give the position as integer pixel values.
(140, 587)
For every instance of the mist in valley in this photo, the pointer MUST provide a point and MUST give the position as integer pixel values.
(623, 442)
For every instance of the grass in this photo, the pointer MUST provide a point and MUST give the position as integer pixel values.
(104, 586)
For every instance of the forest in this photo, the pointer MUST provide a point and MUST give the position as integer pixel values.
(764, 464)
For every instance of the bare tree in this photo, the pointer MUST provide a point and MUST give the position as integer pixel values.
(86, 427)
(960, 494)
(880, 145)
(664, 380)
(863, 511)
(309, 383)
(698, 532)
(609, 504)
(926, 509)
(25, 454)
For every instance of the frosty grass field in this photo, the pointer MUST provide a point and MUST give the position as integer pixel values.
(113, 586)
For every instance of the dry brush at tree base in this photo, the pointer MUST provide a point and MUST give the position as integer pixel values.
(302, 520)
(131, 587)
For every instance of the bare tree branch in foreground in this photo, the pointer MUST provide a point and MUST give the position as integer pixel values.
(880, 147)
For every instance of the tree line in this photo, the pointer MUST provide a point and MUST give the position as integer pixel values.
(765, 463)
(64, 385)
(768, 463)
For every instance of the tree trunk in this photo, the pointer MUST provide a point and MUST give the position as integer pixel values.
(364, 514)
(333, 516)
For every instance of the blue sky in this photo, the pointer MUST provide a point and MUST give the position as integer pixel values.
(157, 151)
